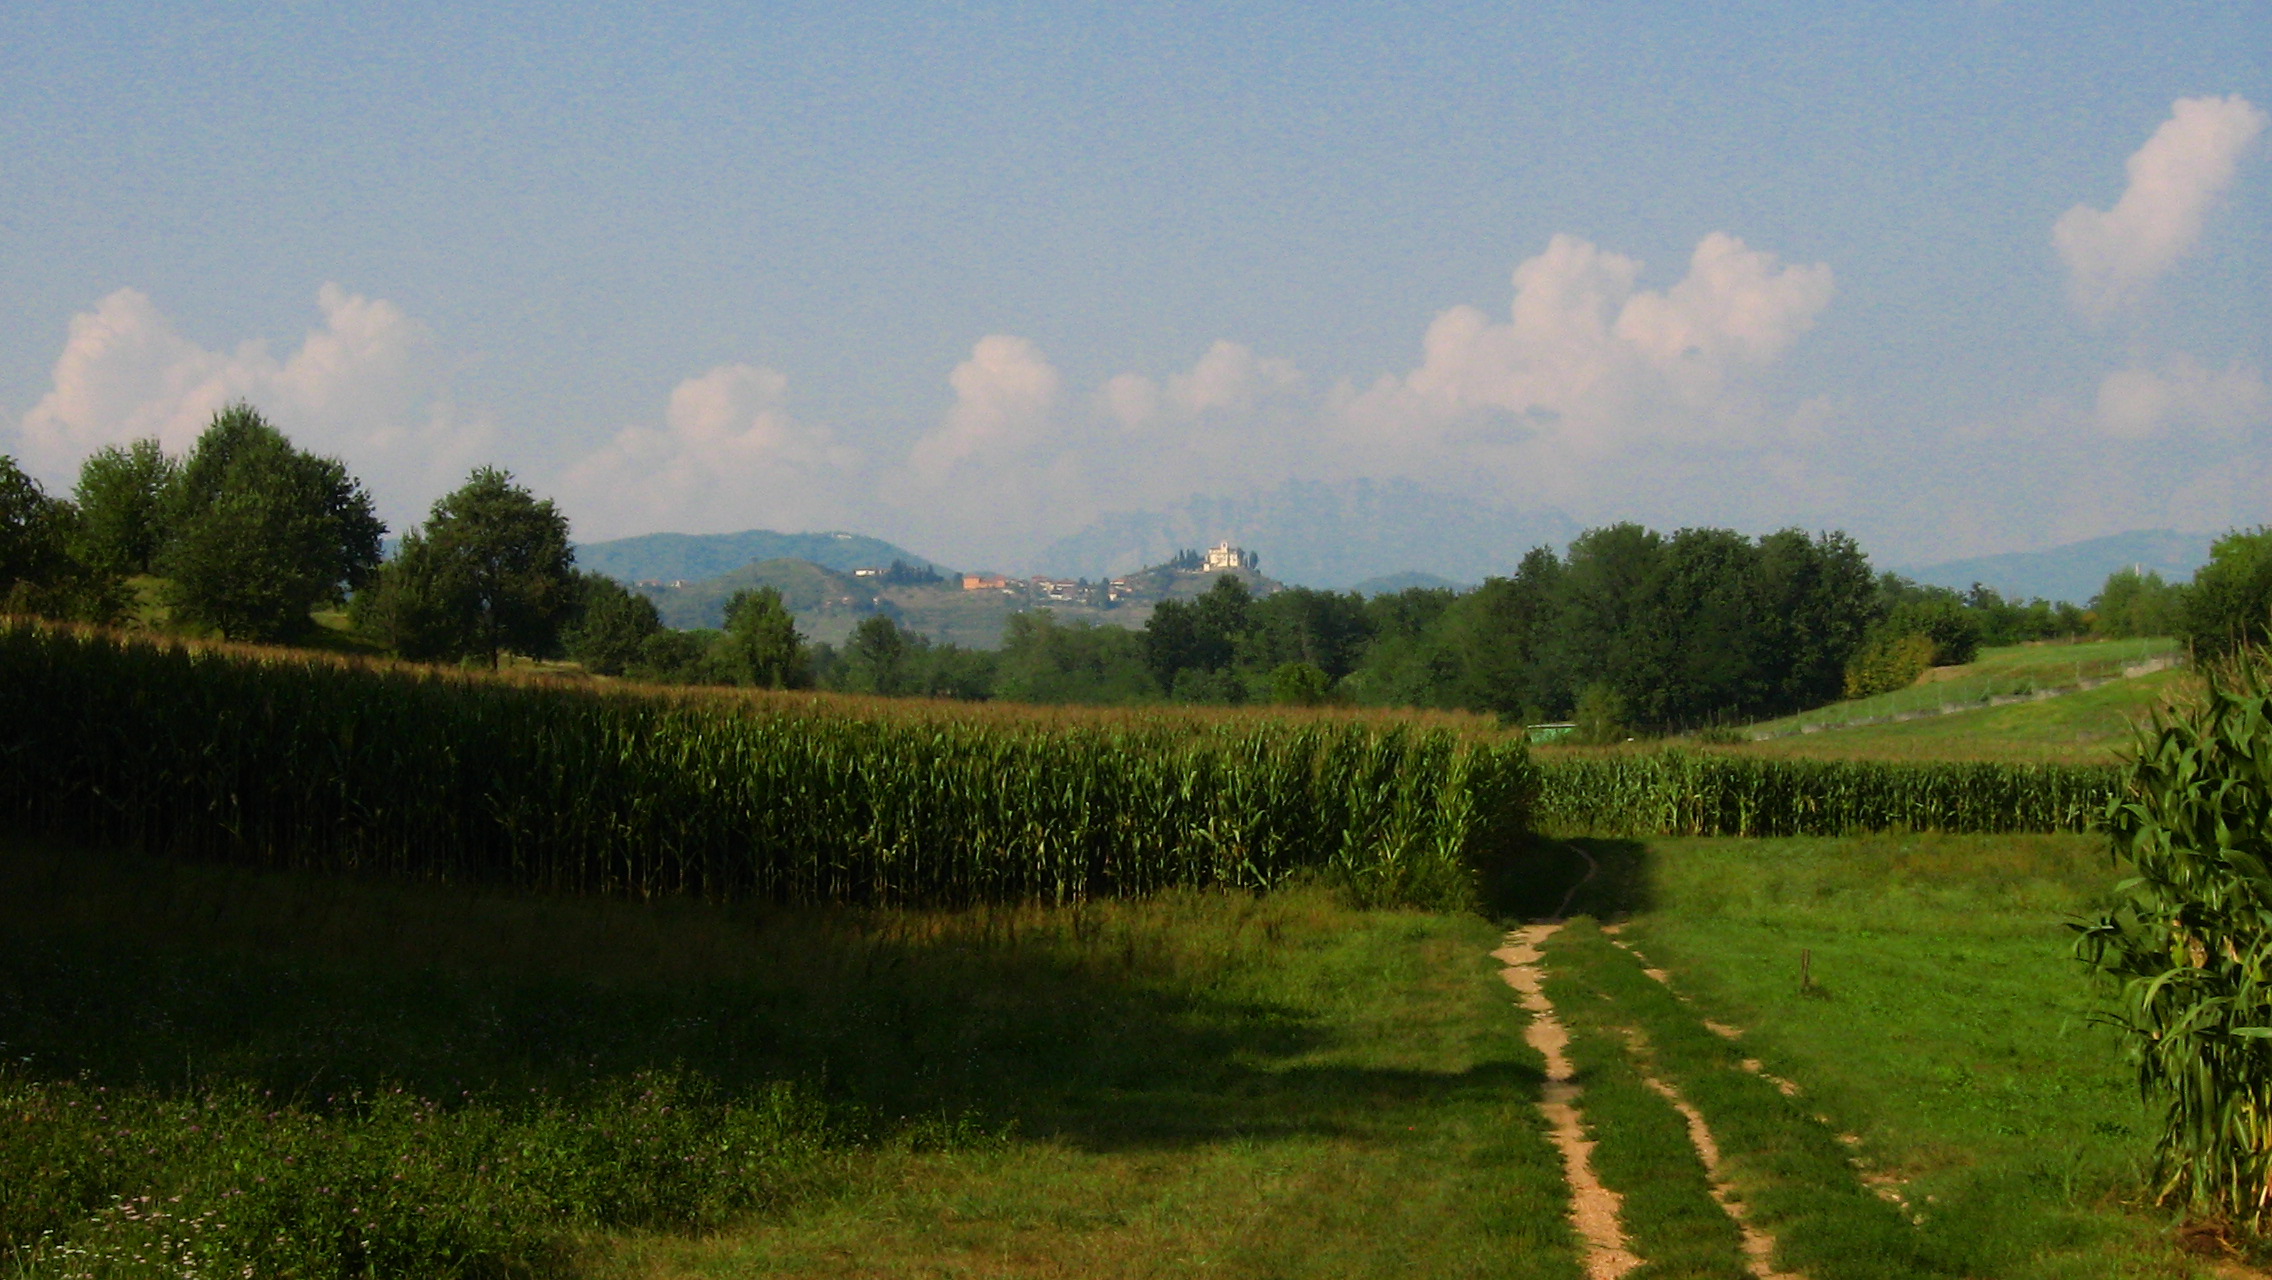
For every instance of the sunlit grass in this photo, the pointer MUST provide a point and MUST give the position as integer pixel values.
(1947, 1026)
(2007, 671)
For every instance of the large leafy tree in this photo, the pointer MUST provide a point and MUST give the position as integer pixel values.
(491, 572)
(762, 646)
(2230, 604)
(33, 530)
(1202, 636)
(259, 532)
(879, 657)
(39, 574)
(609, 631)
(122, 497)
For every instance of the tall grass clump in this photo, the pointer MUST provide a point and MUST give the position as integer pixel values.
(2188, 948)
(310, 764)
(1682, 793)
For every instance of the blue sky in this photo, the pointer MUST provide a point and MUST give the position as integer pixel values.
(970, 276)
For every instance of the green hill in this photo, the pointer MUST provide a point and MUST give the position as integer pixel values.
(810, 591)
(692, 557)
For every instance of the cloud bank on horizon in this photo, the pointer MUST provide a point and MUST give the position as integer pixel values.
(1587, 391)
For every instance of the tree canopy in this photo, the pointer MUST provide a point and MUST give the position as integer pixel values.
(259, 533)
(2230, 604)
(762, 645)
(122, 495)
(489, 572)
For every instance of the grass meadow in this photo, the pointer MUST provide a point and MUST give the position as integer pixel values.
(1195, 1083)
(2076, 725)
(1947, 1033)
(211, 1069)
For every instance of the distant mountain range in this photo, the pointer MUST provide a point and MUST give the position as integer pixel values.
(1324, 535)
(2075, 571)
(691, 557)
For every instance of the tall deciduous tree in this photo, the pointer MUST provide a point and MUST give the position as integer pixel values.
(34, 557)
(122, 497)
(490, 572)
(609, 631)
(2230, 603)
(762, 646)
(259, 533)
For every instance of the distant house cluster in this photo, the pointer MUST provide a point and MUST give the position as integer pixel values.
(1148, 584)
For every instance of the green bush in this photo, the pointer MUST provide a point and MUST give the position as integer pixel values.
(1887, 663)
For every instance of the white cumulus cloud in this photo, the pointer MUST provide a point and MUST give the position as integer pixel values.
(1005, 402)
(2182, 395)
(370, 384)
(728, 456)
(2114, 255)
(1587, 365)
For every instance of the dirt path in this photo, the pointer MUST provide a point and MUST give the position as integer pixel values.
(1593, 1207)
(1758, 1246)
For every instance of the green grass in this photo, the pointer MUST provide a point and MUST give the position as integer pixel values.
(2002, 671)
(1785, 1164)
(1642, 1149)
(1949, 1030)
(2090, 726)
(1219, 1083)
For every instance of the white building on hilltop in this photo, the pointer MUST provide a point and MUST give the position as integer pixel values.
(1223, 556)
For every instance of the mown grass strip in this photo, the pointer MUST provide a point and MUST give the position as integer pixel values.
(1790, 1170)
(1641, 1147)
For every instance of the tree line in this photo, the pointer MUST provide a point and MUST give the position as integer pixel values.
(246, 534)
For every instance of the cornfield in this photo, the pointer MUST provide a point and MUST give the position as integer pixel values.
(306, 763)
(2188, 947)
(1699, 794)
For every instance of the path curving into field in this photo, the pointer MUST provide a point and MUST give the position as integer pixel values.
(1594, 1208)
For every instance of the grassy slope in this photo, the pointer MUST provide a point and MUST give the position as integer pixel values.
(2008, 669)
(1950, 1030)
(1198, 1083)
(2076, 728)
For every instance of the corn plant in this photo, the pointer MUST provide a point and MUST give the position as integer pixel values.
(293, 761)
(2188, 948)
(1706, 794)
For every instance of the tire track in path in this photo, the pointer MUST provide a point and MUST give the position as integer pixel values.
(1594, 1208)
(1758, 1246)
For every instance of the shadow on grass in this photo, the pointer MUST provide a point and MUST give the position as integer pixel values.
(1552, 878)
(1110, 1027)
